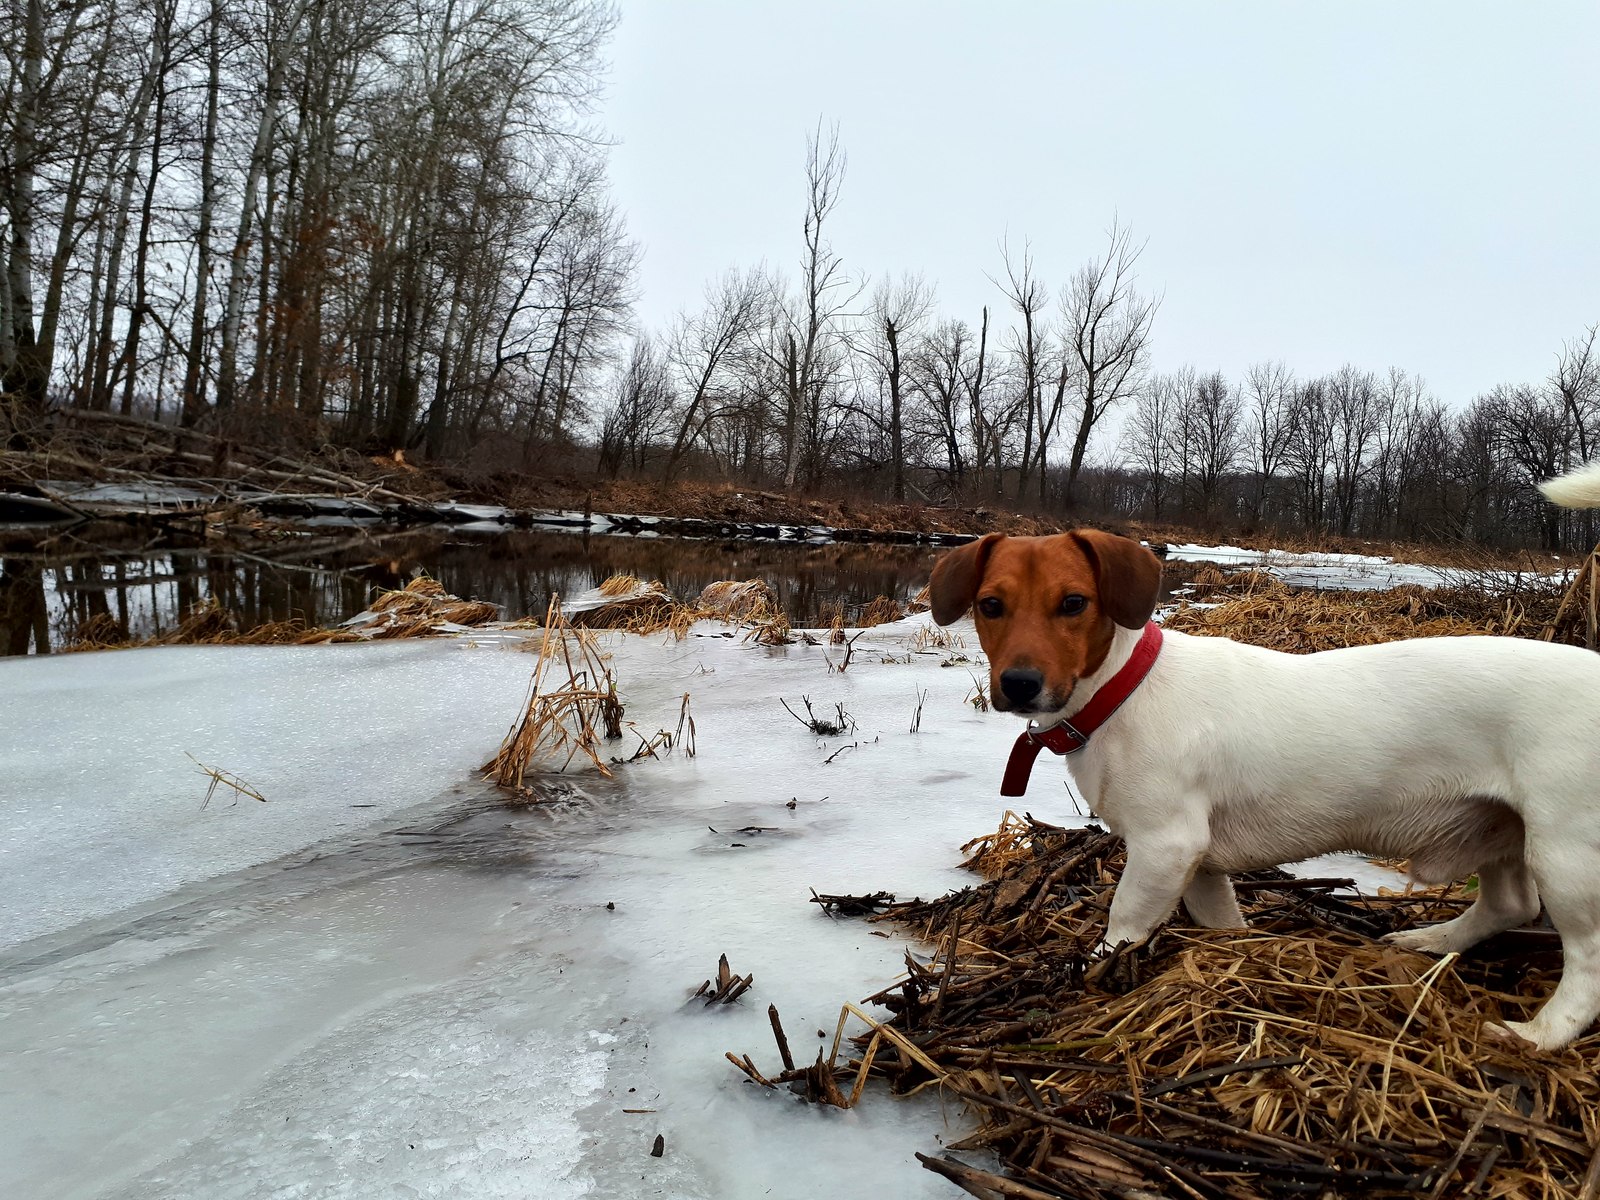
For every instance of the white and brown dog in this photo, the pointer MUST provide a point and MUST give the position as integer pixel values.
(1463, 754)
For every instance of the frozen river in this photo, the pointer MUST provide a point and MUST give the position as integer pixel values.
(383, 981)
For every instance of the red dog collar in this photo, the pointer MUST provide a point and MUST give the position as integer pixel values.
(1071, 736)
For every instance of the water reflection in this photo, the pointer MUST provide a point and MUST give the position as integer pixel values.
(48, 590)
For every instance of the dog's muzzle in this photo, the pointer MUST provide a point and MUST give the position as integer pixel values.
(1021, 686)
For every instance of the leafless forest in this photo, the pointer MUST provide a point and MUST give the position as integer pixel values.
(385, 225)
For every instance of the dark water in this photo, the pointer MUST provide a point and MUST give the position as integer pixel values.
(48, 588)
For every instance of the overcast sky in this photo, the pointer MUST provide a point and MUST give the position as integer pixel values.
(1397, 183)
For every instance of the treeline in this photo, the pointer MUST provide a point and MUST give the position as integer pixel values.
(826, 382)
(379, 221)
(385, 224)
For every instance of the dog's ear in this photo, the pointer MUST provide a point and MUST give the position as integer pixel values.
(956, 577)
(1127, 574)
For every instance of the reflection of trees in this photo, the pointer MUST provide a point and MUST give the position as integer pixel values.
(325, 580)
(24, 616)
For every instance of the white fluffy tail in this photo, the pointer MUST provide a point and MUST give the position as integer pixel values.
(1575, 489)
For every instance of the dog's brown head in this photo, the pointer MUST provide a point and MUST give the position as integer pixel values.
(1045, 607)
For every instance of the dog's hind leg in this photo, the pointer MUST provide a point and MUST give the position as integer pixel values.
(1567, 882)
(1507, 897)
(1211, 903)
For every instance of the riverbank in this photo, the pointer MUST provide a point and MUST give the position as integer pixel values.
(108, 467)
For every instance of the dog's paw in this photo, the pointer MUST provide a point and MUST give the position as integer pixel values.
(1518, 1033)
(1430, 939)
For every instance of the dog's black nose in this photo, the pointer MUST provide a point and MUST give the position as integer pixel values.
(1021, 684)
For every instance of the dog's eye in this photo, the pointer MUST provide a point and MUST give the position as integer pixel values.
(1073, 605)
(990, 606)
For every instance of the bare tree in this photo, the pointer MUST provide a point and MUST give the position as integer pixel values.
(1153, 433)
(1030, 351)
(640, 418)
(1212, 416)
(1355, 414)
(1107, 331)
(896, 313)
(708, 350)
(809, 333)
(1269, 392)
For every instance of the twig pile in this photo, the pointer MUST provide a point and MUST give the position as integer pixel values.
(1300, 1057)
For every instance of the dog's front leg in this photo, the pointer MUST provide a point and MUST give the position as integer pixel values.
(1162, 864)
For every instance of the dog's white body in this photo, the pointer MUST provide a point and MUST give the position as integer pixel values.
(1464, 755)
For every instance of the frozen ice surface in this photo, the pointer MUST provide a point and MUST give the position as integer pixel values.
(1339, 572)
(431, 997)
(101, 805)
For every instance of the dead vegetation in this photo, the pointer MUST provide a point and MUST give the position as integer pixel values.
(420, 609)
(227, 779)
(880, 611)
(629, 604)
(737, 599)
(561, 720)
(839, 723)
(1301, 1057)
(1257, 607)
(726, 987)
(206, 624)
(1578, 615)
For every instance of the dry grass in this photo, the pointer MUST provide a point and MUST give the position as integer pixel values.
(1258, 608)
(644, 608)
(420, 609)
(737, 599)
(1301, 1057)
(206, 624)
(561, 720)
(633, 606)
(881, 611)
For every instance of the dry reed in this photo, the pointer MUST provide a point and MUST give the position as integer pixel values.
(566, 719)
(632, 605)
(1301, 1057)
(735, 599)
(881, 611)
(1258, 608)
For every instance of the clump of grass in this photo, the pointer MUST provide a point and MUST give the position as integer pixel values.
(881, 611)
(736, 599)
(562, 718)
(932, 637)
(635, 606)
(423, 608)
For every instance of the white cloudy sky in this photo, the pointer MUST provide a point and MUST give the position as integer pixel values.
(1402, 183)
